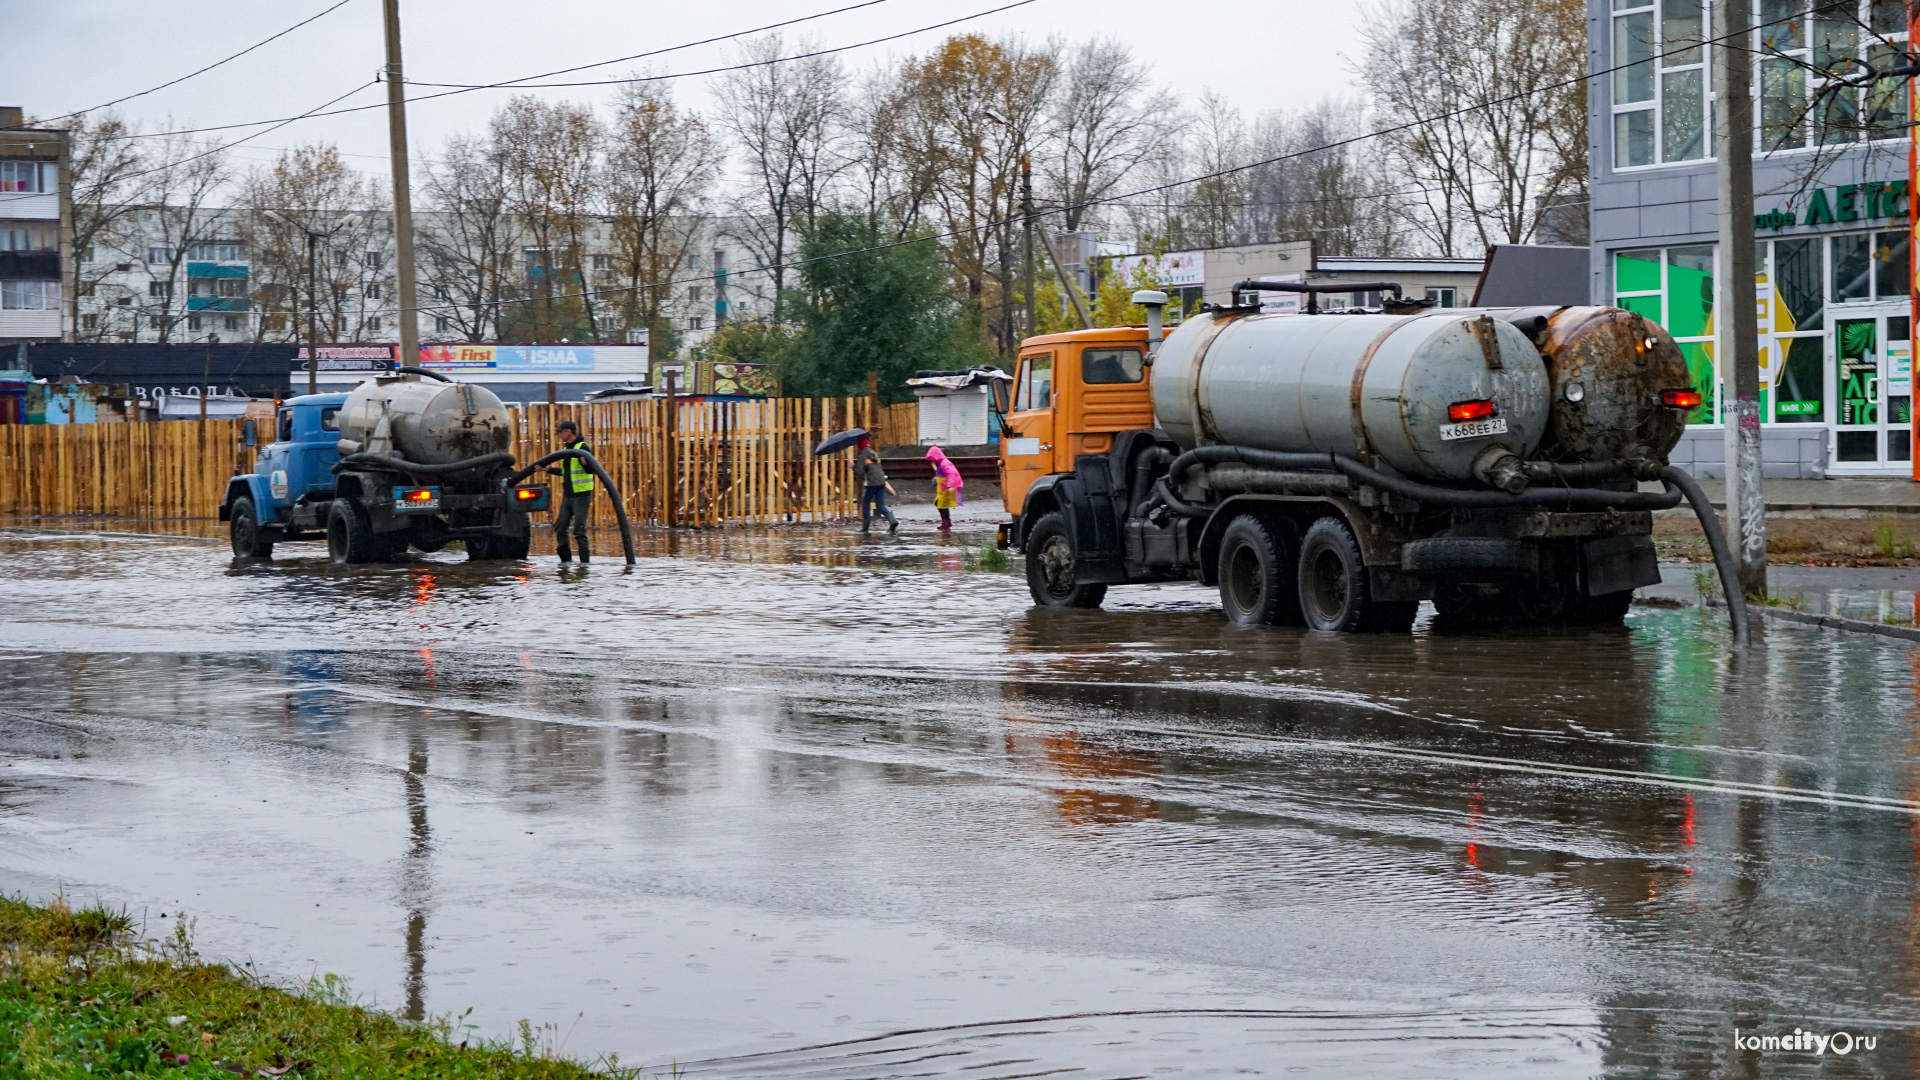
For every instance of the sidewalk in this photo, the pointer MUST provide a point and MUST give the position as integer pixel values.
(1837, 497)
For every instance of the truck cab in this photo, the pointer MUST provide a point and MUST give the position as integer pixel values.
(291, 484)
(1073, 394)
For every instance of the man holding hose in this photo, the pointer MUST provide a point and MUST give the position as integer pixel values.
(576, 500)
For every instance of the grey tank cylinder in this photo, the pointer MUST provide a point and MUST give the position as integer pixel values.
(1373, 387)
(430, 423)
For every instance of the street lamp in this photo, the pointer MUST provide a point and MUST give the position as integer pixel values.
(313, 289)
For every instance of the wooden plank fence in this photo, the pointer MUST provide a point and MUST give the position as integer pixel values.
(692, 464)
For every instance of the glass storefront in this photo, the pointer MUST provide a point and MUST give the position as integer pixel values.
(1835, 335)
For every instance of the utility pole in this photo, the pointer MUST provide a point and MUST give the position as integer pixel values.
(402, 197)
(1739, 344)
(206, 376)
(313, 309)
(1026, 239)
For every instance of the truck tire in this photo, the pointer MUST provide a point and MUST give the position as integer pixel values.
(498, 547)
(1257, 571)
(250, 541)
(1050, 568)
(350, 538)
(1336, 592)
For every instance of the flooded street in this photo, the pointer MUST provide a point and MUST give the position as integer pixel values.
(795, 804)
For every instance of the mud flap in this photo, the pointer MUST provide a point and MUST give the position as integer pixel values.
(1618, 563)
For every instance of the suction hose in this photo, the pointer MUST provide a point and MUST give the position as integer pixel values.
(1717, 540)
(593, 463)
(422, 371)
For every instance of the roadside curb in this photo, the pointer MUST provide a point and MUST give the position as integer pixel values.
(1830, 622)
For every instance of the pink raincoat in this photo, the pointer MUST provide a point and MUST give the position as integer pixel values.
(945, 473)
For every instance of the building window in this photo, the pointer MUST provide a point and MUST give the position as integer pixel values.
(373, 324)
(1798, 106)
(232, 322)
(193, 322)
(442, 324)
(693, 294)
(1443, 296)
(1674, 287)
(1659, 82)
(27, 236)
(90, 322)
(29, 176)
(602, 261)
(373, 260)
(214, 251)
(159, 255)
(373, 290)
(160, 290)
(693, 322)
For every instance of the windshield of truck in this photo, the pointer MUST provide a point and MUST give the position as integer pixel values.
(1036, 384)
(1112, 366)
(330, 419)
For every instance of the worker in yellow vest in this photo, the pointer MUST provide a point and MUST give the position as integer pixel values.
(576, 494)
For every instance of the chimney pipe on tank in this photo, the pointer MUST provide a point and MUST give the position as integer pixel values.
(1154, 301)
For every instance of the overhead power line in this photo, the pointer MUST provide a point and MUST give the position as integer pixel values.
(209, 67)
(468, 89)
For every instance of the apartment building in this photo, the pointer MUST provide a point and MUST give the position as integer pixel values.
(35, 236)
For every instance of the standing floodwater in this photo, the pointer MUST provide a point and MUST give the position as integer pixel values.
(803, 805)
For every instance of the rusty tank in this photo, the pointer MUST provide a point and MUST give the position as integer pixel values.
(1607, 370)
(426, 422)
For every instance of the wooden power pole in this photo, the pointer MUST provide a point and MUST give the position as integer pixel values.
(406, 316)
(1739, 341)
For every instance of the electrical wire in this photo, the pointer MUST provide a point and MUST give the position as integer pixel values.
(468, 89)
(209, 67)
(738, 67)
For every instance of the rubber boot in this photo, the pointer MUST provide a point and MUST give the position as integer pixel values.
(893, 524)
(586, 554)
(566, 555)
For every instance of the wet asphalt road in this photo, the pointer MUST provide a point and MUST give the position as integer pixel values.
(800, 805)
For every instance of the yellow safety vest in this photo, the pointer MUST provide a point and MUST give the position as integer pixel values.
(578, 477)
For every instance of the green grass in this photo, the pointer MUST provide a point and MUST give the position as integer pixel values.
(81, 997)
(1890, 542)
(988, 558)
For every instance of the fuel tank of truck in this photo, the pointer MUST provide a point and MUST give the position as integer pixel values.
(424, 421)
(1380, 388)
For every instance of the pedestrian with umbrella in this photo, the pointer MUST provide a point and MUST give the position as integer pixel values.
(868, 473)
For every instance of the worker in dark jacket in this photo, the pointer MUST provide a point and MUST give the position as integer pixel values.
(576, 493)
(872, 478)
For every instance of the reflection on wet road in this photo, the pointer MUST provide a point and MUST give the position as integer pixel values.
(799, 805)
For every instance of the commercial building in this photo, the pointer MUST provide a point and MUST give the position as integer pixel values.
(1830, 232)
(1208, 275)
(36, 237)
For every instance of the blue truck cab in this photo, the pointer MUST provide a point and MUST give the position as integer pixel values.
(291, 487)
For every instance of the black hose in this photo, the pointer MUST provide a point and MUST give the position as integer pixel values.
(1587, 498)
(1166, 496)
(1717, 540)
(1141, 489)
(1586, 470)
(409, 370)
(388, 461)
(593, 463)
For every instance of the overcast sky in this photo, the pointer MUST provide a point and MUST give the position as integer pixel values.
(63, 55)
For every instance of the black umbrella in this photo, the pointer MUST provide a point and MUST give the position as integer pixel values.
(839, 441)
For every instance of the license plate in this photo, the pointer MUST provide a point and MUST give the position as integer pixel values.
(1474, 429)
(416, 500)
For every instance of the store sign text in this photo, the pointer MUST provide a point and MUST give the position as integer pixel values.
(1848, 202)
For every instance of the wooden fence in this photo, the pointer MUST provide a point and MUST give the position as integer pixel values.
(696, 463)
(167, 469)
(897, 425)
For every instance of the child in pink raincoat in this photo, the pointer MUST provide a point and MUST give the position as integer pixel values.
(946, 486)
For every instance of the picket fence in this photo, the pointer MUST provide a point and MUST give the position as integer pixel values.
(688, 464)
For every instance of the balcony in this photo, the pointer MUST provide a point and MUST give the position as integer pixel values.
(218, 303)
(216, 270)
(30, 266)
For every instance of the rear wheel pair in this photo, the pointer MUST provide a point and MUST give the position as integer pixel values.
(1323, 584)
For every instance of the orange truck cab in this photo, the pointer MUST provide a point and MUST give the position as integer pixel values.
(1073, 393)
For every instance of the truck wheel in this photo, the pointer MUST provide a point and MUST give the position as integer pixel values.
(1335, 592)
(349, 536)
(1050, 568)
(1257, 574)
(250, 541)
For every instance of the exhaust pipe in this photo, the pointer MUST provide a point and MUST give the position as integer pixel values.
(1155, 302)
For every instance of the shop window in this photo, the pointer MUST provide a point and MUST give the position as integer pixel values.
(1852, 268)
(1674, 288)
(1891, 264)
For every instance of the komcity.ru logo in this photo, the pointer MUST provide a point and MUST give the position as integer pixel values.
(1806, 1042)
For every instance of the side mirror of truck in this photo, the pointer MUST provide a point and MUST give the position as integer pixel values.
(248, 434)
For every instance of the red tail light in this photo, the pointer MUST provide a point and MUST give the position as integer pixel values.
(528, 494)
(1469, 410)
(1680, 399)
(420, 495)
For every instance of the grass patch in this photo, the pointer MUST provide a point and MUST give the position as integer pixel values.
(988, 558)
(81, 996)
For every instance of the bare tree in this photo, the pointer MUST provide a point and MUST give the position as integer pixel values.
(311, 189)
(787, 118)
(467, 240)
(550, 152)
(659, 174)
(1104, 121)
(178, 205)
(106, 170)
(1489, 112)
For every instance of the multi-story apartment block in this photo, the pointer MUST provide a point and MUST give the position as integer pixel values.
(35, 236)
(1830, 186)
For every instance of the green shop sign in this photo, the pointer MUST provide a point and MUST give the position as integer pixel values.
(1848, 202)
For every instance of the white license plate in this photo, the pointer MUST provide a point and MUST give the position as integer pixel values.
(1474, 429)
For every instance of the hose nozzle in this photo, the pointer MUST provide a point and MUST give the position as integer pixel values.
(1500, 468)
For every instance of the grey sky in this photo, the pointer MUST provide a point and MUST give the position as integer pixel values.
(65, 55)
